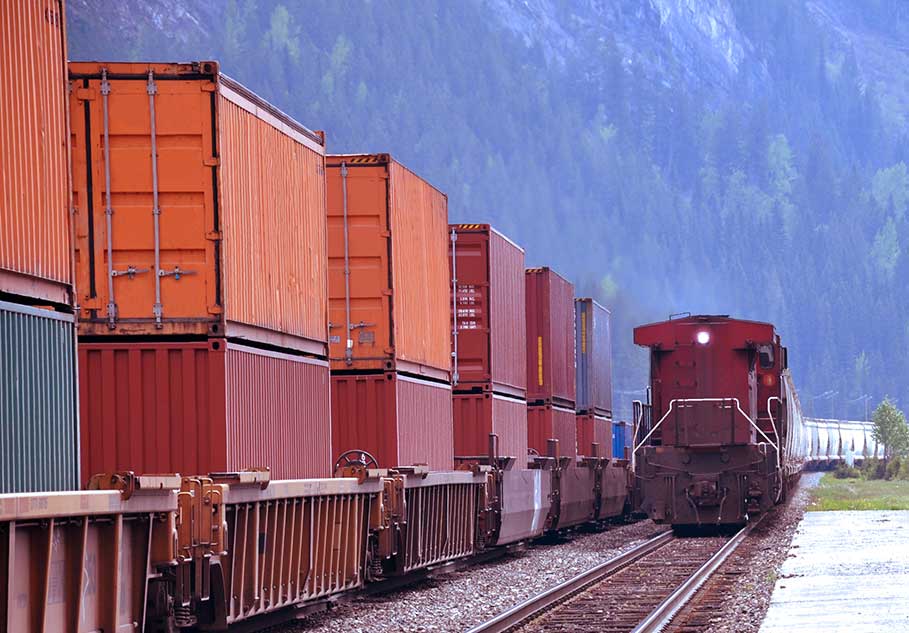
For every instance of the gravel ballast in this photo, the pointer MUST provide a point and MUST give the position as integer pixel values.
(462, 599)
(459, 600)
(755, 568)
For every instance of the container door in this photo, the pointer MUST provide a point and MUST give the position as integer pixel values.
(358, 275)
(471, 304)
(143, 160)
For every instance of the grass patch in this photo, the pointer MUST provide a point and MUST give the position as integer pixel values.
(859, 494)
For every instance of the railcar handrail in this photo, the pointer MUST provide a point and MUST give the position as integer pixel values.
(683, 401)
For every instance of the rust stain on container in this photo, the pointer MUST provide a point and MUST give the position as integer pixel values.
(594, 357)
(388, 229)
(35, 242)
(547, 422)
(478, 415)
(201, 407)
(214, 221)
(594, 428)
(490, 318)
(400, 420)
(550, 338)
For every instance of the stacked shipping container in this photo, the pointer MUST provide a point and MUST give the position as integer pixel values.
(488, 322)
(201, 271)
(550, 361)
(593, 351)
(39, 444)
(389, 345)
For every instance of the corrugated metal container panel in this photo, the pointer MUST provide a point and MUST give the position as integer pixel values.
(294, 403)
(594, 357)
(478, 415)
(491, 318)
(620, 437)
(241, 247)
(35, 247)
(547, 422)
(401, 421)
(550, 338)
(201, 407)
(39, 442)
(593, 428)
(420, 272)
(275, 262)
(425, 427)
(396, 239)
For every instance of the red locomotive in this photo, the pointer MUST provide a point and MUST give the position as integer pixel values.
(722, 439)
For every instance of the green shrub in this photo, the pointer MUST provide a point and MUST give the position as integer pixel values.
(893, 468)
(873, 468)
(846, 472)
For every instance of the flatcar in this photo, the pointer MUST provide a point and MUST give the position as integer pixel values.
(722, 439)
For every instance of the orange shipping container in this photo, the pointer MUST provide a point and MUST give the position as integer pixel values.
(389, 281)
(200, 208)
(35, 243)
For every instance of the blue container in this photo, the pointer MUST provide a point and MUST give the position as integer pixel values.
(593, 358)
(618, 439)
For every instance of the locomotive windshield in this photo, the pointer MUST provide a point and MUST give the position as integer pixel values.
(765, 353)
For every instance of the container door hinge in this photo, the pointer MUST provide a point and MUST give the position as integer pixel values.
(214, 236)
(214, 161)
(215, 310)
(208, 86)
(85, 94)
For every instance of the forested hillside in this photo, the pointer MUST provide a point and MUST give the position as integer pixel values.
(723, 156)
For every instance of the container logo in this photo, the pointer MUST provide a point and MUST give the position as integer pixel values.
(583, 332)
(540, 361)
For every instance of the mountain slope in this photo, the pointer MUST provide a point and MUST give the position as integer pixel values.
(668, 155)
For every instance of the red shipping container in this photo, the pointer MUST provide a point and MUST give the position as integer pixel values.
(545, 422)
(550, 338)
(200, 407)
(489, 320)
(389, 281)
(476, 415)
(400, 420)
(594, 428)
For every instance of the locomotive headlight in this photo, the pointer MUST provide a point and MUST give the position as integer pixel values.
(703, 337)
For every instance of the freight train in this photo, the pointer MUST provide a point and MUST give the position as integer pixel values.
(723, 439)
(191, 285)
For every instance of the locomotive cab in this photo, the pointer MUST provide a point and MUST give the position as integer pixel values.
(712, 452)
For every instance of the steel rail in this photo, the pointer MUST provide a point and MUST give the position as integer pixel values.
(663, 615)
(533, 606)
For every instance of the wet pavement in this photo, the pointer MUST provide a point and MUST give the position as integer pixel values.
(846, 571)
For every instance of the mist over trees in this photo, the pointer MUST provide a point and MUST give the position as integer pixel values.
(783, 199)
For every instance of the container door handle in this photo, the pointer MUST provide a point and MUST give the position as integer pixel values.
(131, 271)
(177, 272)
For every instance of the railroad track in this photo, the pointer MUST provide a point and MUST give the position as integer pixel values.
(640, 591)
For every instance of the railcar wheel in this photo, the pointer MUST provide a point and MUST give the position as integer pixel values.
(356, 457)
